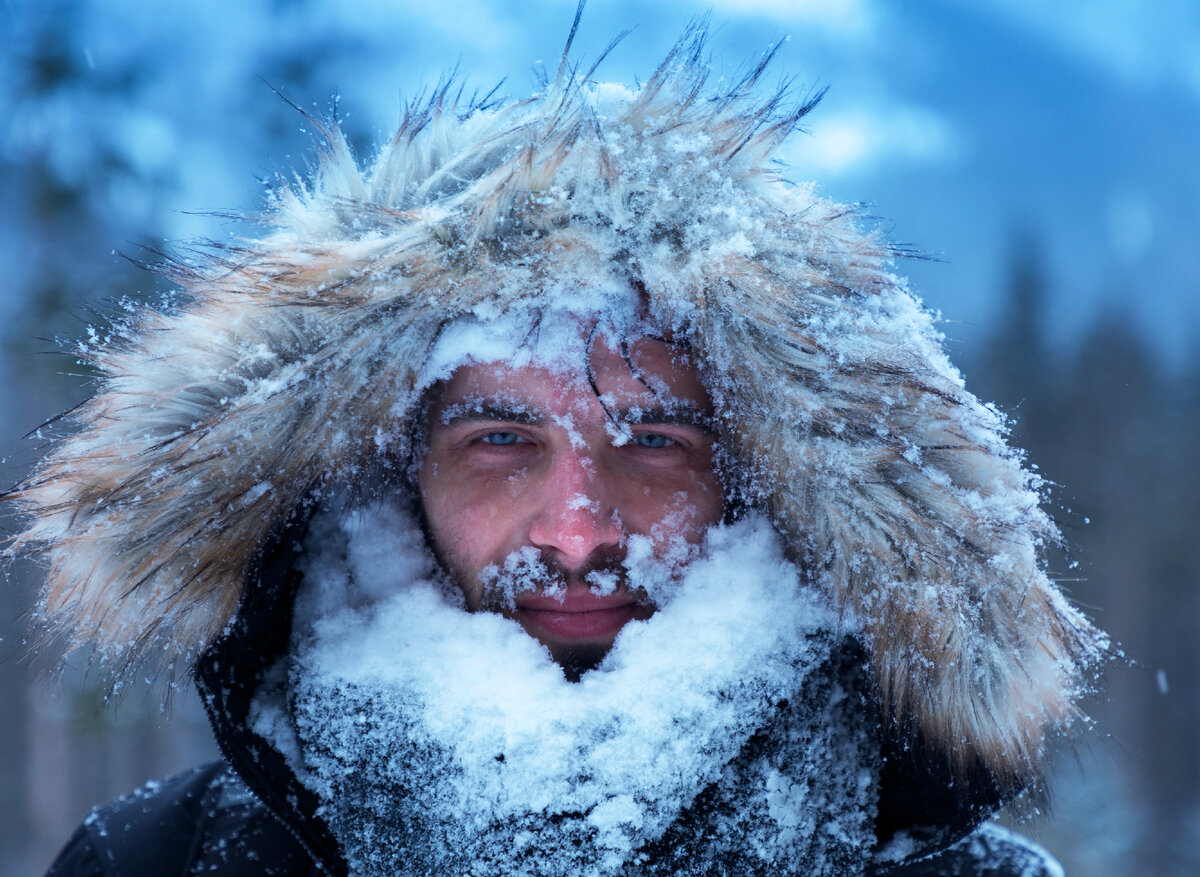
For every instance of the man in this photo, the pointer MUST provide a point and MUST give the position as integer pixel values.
(564, 494)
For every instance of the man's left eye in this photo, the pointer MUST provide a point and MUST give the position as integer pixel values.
(501, 438)
(653, 440)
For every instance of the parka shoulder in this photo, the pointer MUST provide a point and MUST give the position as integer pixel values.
(199, 822)
(990, 851)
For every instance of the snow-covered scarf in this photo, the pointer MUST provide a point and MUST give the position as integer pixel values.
(716, 738)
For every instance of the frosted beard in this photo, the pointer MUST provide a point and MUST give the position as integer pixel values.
(718, 737)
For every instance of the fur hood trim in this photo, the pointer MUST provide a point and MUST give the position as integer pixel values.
(291, 365)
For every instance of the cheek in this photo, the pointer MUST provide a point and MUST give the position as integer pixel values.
(457, 524)
(702, 506)
(685, 507)
(455, 532)
(470, 507)
(471, 525)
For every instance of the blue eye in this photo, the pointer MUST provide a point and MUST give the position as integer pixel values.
(501, 438)
(652, 440)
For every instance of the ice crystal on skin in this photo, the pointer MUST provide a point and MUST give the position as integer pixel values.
(440, 740)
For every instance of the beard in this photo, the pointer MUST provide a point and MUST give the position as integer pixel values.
(532, 569)
(655, 565)
(718, 737)
(645, 570)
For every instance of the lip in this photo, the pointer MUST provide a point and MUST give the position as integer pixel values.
(579, 615)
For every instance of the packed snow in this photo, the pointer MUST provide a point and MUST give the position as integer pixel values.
(442, 741)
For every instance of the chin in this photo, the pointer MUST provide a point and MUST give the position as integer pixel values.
(576, 658)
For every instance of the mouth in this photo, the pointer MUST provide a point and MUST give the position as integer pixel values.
(579, 616)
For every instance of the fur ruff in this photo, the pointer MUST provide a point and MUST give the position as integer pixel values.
(291, 365)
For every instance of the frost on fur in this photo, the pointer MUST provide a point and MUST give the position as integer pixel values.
(293, 366)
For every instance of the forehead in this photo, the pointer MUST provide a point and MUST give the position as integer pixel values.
(644, 373)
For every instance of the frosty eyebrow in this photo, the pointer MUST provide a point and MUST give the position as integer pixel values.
(675, 415)
(475, 412)
(466, 413)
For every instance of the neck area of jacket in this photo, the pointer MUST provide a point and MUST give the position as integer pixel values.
(917, 797)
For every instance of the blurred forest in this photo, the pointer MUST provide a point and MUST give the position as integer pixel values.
(1115, 434)
(1113, 429)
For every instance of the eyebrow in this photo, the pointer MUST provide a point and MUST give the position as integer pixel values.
(465, 413)
(497, 411)
(675, 415)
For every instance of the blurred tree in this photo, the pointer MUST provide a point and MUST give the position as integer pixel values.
(93, 159)
(61, 165)
(55, 179)
(1128, 454)
(1114, 436)
(1171, 650)
(1015, 368)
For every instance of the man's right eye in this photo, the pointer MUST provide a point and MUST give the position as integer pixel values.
(502, 438)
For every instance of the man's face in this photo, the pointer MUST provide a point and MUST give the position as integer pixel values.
(528, 458)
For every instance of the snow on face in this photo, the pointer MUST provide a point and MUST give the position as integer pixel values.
(538, 479)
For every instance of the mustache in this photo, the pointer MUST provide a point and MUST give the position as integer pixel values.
(534, 569)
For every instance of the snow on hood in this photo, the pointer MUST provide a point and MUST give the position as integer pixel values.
(292, 365)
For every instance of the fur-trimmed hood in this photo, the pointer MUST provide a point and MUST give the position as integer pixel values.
(292, 365)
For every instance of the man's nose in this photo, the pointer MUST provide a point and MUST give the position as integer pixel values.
(577, 515)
